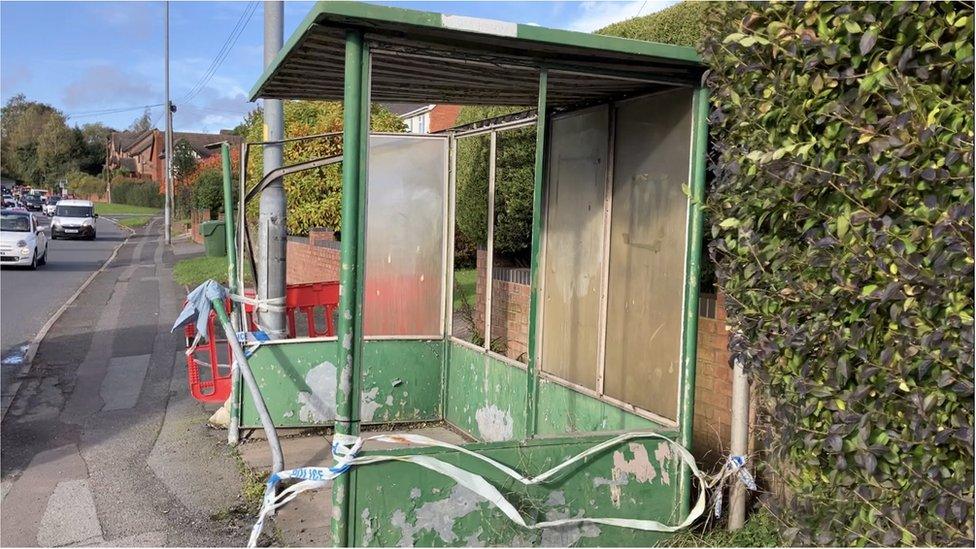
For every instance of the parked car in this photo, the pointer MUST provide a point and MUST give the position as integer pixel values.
(50, 205)
(74, 219)
(33, 202)
(9, 202)
(22, 241)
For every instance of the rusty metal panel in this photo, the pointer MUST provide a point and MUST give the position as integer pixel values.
(402, 504)
(403, 280)
(647, 251)
(485, 396)
(401, 382)
(574, 246)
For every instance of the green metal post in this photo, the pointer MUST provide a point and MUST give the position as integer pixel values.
(229, 218)
(540, 161)
(348, 363)
(233, 429)
(689, 329)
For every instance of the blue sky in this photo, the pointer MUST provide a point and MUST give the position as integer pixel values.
(86, 58)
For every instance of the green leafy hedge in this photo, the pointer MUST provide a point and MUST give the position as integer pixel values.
(136, 192)
(514, 175)
(842, 203)
(682, 25)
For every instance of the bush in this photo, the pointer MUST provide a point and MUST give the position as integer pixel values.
(136, 192)
(208, 191)
(514, 177)
(85, 185)
(843, 237)
(313, 196)
(682, 25)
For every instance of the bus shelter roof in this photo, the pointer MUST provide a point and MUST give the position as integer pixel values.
(430, 57)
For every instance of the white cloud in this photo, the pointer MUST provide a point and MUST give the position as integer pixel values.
(596, 15)
(106, 85)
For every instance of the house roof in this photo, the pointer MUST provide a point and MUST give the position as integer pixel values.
(199, 141)
(434, 58)
(126, 139)
(401, 109)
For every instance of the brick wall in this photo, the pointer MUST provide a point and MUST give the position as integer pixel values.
(713, 382)
(443, 117)
(313, 259)
(509, 309)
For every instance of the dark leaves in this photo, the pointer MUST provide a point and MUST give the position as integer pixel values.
(865, 367)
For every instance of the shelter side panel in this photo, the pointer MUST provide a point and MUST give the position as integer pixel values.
(401, 382)
(402, 504)
(563, 410)
(485, 395)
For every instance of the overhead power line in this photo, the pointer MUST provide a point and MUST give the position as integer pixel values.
(224, 51)
(104, 112)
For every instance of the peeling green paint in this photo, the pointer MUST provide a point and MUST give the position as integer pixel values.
(401, 382)
(427, 509)
(485, 393)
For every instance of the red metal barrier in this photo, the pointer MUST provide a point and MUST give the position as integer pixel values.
(316, 301)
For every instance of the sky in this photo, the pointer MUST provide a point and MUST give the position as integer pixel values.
(103, 61)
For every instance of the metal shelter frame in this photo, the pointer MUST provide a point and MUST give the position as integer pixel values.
(361, 53)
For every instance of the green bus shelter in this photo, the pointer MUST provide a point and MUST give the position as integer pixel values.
(592, 334)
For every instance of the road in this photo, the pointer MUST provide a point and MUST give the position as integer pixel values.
(102, 444)
(31, 297)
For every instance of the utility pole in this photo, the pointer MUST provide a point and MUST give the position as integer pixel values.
(167, 209)
(272, 235)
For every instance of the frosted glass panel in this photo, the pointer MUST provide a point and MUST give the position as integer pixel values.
(647, 251)
(574, 246)
(403, 287)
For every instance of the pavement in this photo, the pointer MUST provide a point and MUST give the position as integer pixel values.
(31, 297)
(102, 444)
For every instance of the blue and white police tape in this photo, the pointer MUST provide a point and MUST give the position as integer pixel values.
(734, 466)
(345, 449)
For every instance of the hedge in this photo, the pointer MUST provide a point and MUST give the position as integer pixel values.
(682, 24)
(843, 239)
(136, 192)
(514, 177)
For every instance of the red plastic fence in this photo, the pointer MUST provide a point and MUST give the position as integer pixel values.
(316, 301)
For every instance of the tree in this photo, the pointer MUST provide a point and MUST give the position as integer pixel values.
(184, 160)
(314, 196)
(143, 123)
(37, 145)
(208, 190)
(91, 142)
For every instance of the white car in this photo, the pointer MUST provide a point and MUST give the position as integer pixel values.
(50, 206)
(22, 241)
(74, 219)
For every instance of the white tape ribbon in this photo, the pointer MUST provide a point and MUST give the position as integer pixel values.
(345, 447)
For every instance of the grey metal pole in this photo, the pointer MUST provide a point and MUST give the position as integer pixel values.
(739, 443)
(167, 213)
(272, 235)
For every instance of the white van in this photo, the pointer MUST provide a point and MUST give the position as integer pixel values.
(74, 219)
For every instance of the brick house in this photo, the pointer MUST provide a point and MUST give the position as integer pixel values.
(425, 118)
(143, 154)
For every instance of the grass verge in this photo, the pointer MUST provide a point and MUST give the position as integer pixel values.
(465, 286)
(760, 530)
(196, 270)
(133, 222)
(107, 208)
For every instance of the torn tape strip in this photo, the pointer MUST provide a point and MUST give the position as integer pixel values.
(320, 477)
